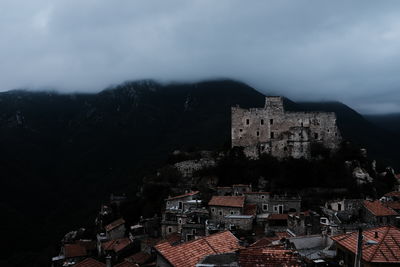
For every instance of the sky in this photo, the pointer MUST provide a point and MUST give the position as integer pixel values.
(314, 50)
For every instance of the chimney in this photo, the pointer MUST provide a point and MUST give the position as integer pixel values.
(357, 262)
(376, 235)
(108, 261)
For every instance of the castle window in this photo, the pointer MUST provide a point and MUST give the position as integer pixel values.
(316, 135)
(258, 133)
(262, 122)
(271, 121)
(247, 121)
(272, 135)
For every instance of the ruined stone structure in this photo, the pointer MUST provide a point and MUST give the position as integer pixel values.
(282, 133)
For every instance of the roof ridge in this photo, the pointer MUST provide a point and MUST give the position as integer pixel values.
(380, 243)
(210, 246)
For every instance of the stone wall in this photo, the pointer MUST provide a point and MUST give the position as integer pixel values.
(282, 133)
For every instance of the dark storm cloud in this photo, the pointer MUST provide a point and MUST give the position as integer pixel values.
(307, 50)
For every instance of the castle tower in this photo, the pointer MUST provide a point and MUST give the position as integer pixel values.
(274, 104)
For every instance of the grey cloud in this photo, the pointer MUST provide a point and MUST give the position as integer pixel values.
(306, 50)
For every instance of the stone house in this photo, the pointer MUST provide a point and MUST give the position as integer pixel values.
(183, 211)
(260, 199)
(377, 213)
(221, 206)
(284, 203)
(304, 223)
(116, 229)
(280, 133)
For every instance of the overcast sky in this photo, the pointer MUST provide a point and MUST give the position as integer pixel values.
(306, 50)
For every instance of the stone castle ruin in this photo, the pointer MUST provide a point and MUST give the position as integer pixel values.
(281, 133)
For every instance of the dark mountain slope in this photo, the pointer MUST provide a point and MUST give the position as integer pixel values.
(389, 122)
(60, 155)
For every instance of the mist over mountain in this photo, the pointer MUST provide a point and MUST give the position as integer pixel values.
(61, 154)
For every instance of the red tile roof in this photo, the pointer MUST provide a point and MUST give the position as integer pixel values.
(140, 258)
(89, 262)
(114, 224)
(274, 216)
(387, 249)
(255, 193)
(265, 241)
(250, 209)
(378, 209)
(190, 253)
(272, 257)
(117, 245)
(184, 195)
(74, 251)
(171, 238)
(393, 205)
(227, 201)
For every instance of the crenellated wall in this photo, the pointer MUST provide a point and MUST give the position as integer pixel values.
(282, 133)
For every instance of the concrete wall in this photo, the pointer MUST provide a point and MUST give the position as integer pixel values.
(282, 134)
(240, 223)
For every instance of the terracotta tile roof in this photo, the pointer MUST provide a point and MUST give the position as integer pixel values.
(378, 209)
(114, 224)
(139, 258)
(265, 241)
(393, 205)
(117, 245)
(250, 209)
(272, 257)
(184, 195)
(227, 201)
(87, 244)
(282, 235)
(190, 253)
(386, 249)
(393, 194)
(90, 262)
(274, 216)
(74, 250)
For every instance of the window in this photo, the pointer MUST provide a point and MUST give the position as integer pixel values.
(262, 122)
(169, 229)
(272, 135)
(258, 133)
(180, 221)
(240, 130)
(232, 212)
(271, 121)
(180, 205)
(275, 208)
(315, 135)
(194, 231)
(262, 196)
(247, 121)
(220, 213)
(265, 207)
(167, 202)
(212, 210)
(349, 206)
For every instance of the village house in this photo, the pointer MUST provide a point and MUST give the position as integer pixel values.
(118, 249)
(184, 213)
(188, 254)
(375, 212)
(116, 229)
(284, 203)
(260, 199)
(304, 223)
(380, 247)
(221, 206)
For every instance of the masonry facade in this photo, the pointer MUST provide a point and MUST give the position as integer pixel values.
(281, 133)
